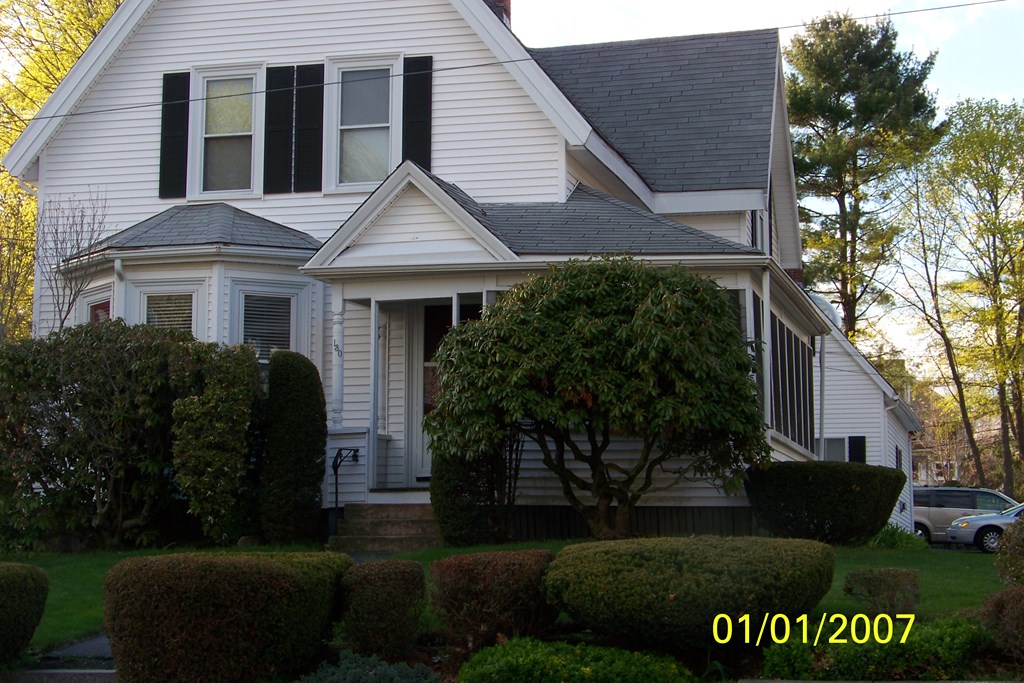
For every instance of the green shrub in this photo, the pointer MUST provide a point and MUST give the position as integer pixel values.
(834, 502)
(939, 650)
(85, 431)
(237, 617)
(214, 433)
(666, 592)
(481, 595)
(473, 498)
(353, 668)
(1009, 559)
(296, 434)
(893, 537)
(23, 591)
(1003, 614)
(889, 590)
(383, 604)
(524, 660)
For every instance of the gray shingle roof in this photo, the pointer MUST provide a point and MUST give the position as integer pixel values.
(688, 113)
(208, 224)
(589, 222)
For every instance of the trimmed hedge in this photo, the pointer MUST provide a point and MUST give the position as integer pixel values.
(23, 591)
(293, 465)
(383, 604)
(524, 660)
(666, 592)
(460, 497)
(481, 595)
(839, 503)
(935, 651)
(237, 617)
(889, 590)
(1003, 614)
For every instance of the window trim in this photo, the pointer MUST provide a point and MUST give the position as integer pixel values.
(298, 292)
(140, 290)
(92, 297)
(197, 129)
(393, 62)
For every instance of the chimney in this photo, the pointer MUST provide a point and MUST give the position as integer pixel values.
(796, 274)
(502, 8)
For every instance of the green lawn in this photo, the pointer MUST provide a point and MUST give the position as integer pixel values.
(950, 581)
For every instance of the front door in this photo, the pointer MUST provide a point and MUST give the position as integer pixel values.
(430, 322)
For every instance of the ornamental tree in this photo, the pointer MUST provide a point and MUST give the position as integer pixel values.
(596, 353)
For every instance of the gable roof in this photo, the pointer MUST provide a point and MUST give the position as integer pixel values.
(199, 224)
(691, 113)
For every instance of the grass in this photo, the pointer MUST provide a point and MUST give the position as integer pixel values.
(950, 581)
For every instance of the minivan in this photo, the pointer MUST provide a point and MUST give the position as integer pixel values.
(935, 507)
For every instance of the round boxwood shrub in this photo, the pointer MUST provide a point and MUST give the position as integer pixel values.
(23, 591)
(235, 617)
(383, 603)
(524, 660)
(840, 503)
(666, 592)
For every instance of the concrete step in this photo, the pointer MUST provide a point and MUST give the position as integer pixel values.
(387, 527)
(358, 511)
(382, 544)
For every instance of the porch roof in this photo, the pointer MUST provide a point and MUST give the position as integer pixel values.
(589, 222)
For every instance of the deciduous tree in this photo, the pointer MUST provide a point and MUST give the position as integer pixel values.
(628, 378)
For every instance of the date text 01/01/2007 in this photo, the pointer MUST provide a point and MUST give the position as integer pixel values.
(860, 628)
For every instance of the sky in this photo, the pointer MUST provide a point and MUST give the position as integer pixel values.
(980, 47)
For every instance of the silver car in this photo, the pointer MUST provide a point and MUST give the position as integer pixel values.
(983, 531)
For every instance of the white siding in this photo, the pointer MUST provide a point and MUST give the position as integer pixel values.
(903, 513)
(357, 365)
(488, 137)
(730, 226)
(853, 401)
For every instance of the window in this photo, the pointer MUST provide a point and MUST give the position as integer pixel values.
(362, 105)
(99, 312)
(170, 310)
(267, 323)
(990, 501)
(227, 143)
(792, 386)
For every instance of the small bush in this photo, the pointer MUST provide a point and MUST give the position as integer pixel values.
(481, 595)
(459, 496)
(1009, 559)
(839, 503)
(383, 605)
(885, 591)
(893, 537)
(353, 668)
(666, 592)
(939, 650)
(296, 433)
(524, 660)
(23, 591)
(239, 617)
(1003, 614)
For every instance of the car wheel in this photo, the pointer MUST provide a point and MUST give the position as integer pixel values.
(987, 539)
(921, 531)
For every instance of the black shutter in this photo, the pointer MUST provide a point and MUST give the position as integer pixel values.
(417, 98)
(174, 136)
(857, 449)
(277, 143)
(309, 128)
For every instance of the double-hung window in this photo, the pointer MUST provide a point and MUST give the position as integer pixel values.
(174, 310)
(267, 323)
(362, 106)
(227, 120)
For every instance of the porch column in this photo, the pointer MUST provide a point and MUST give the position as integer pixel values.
(338, 360)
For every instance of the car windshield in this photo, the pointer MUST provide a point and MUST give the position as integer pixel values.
(1014, 511)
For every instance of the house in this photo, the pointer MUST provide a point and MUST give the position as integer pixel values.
(349, 178)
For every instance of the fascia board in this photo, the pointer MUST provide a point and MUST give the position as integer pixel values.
(76, 85)
(201, 252)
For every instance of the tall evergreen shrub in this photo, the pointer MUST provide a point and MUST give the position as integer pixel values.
(296, 437)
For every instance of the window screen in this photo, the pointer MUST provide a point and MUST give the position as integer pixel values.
(169, 310)
(267, 323)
